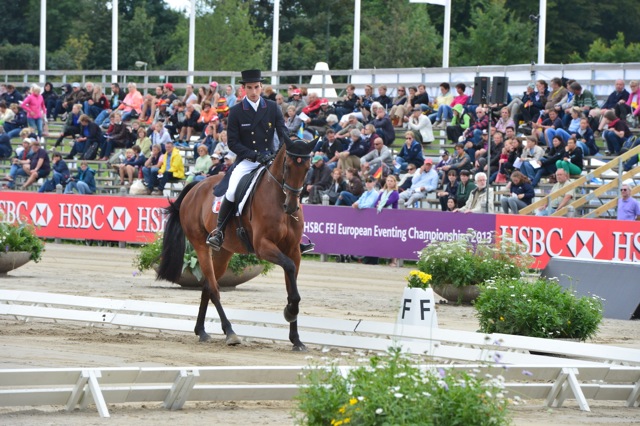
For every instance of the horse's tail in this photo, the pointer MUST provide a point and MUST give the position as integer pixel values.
(173, 242)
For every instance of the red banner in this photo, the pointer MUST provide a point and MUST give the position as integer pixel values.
(547, 237)
(108, 218)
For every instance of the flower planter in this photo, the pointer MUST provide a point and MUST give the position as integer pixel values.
(228, 281)
(455, 294)
(12, 260)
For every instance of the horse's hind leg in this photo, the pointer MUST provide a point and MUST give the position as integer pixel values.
(211, 291)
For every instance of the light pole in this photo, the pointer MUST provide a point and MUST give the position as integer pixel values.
(141, 64)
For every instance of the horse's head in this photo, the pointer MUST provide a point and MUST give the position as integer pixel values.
(296, 164)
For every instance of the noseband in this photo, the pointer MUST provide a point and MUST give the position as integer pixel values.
(284, 185)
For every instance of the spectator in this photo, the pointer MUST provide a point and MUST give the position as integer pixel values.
(76, 96)
(517, 104)
(281, 103)
(449, 191)
(151, 168)
(189, 124)
(491, 165)
(473, 134)
(628, 207)
(557, 95)
(202, 166)
(369, 197)
(465, 188)
(460, 161)
(330, 149)
(477, 201)
(633, 102)
(231, 97)
(318, 179)
(149, 103)
(84, 182)
(504, 121)
(189, 98)
(297, 101)
(11, 96)
(535, 102)
(206, 116)
(548, 162)
(130, 167)
(459, 124)
(382, 97)
(349, 124)
(445, 110)
(553, 125)
(347, 104)
(160, 136)
(351, 155)
(320, 123)
(88, 134)
(421, 126)
(5, 144)
(384, 128)
(585, 138)
(617, 134)
(222, 148)
(572, 161)
(338, 186)
(172, 167)
(216, 165)
(96, 103)
(72, 125)
(20, 163)
(35, 108)
(118, 136)
(6, 114)
(103, 118)
(314, 105)
(39, 165)
(410, 153)
(353, 190)
(143, 142)
(381, 156)
(292, 122)
(17, 123)
(562, 180)
(616, 101)
(397, 109)
(388, 196)
(421, 185)
(521, 194)
(60, 174)
(531, 157)
(131, 105)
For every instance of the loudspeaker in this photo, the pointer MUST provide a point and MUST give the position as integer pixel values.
(480, 90)
(499, 92)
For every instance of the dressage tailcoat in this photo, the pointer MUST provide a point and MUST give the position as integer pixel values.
(251, 132)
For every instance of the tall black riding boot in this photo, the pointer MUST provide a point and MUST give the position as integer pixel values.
(216, 238)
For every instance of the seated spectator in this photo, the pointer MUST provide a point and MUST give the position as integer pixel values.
(60, 174)
(72, 125)
(347, 126)
(553, 204)
(586, 138)
(346, 105)
(131, 105)
(459, 124)
(338, 186)
(143, 142)
(298, 102)
(189, 98)
(381, 156)
(318, 179)
(449, 191)
(207, 115)
(216, 165)
(353, 190)
(572, 161)
(477, 201)
(118, 136)
(535, 102)
(581, 98)
(172, 167)
(330, 148)
(384, 128)
(313, 105)
(531, 157)
(521, 194)
(548, 162)
(281, 103)
(5, 144)
(420, 125)
(552, 125)
(202, 166)
(6, 114)
(465, 187)
(151, 168)
(421, 185)
(20, 163)
(633, 102)
(149, 104)
(491, 165)
(557, 95)
(614, 102)
(160, 136)
(11, 96)
(83, 182)
(504, 121)
(369, 197)
(388, 196)
(410, 153)
(189, 125)
(628, 207)
(617, 133)
(39, 165)
(291, 121)
(369, 135)
(320, 122)
(446, 102)
(350, 156)
(116, 97)
(473, 135)
(96, 103)
(19, 121)
(382, 97)
(133, 163)
(460, 161)
(231, 97)
(399, 100)
(88, 134)
(222, 148)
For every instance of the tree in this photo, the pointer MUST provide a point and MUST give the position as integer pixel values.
(496, 36)
(601, 51)
(135, 42)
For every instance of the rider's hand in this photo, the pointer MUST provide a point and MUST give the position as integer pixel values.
(264, 158)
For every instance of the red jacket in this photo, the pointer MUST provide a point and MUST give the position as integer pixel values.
(312, 107)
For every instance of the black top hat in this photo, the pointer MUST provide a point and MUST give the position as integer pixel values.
(251, 76)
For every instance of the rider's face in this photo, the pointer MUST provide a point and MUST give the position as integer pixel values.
(253, 91)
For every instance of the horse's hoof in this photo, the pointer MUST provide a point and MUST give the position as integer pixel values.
(299, 348)
(288, 317)
(233, 340)
(204, 337)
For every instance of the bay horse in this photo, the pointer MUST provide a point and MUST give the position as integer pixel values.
(274, 223)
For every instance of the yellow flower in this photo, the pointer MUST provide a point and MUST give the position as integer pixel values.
(353, 401)
(347, 420)
(342, 410)
(501, 318)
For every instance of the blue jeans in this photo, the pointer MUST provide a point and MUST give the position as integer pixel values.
(542, 171)
(445, 112)
(628, 165)
(346, 199)
(91, 110)
(527, 169)
(402, 165)
(50, 184)
(547, 211)
(78, 148)
(150, 175)
(36, 123)
(614, 142)
(102, 118)
(79, 186)
(15, 171)
(550, 133)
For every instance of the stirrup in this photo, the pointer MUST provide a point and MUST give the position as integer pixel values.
(215, 239)
(307, 248)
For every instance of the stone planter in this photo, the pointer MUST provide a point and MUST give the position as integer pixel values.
(228, 281)
(12, 260)
(466, 294)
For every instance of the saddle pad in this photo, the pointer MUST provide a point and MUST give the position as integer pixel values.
(248, 189)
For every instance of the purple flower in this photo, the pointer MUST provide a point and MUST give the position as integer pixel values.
(6, 248)
(135, 273)
(497, 357)
(441, 372)
(527, 373)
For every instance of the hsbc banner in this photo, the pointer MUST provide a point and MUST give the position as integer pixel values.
(390, 233)
(94, 217)
(547, 237)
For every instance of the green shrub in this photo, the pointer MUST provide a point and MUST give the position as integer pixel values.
(539, 309)
(393, 390)
(467, 261)
(20, 237)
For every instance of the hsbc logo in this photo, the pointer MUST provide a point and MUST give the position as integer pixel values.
(119, 218)
(584, 245)
(41, 214)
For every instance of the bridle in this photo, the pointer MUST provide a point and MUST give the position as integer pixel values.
(284, 185)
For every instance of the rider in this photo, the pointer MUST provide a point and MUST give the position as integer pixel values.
(250, 130)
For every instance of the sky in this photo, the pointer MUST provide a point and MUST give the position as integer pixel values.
(179, 4)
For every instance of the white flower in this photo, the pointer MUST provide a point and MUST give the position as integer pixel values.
(379, 411)
(398, 395)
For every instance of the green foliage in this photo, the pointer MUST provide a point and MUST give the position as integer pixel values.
(19, 57)
(149, 256)
(616, 51)
(496, 36)
(539, 309)
(468, 261)
(136, 40)
(20, 237)
(418, 279)
(393, 390)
